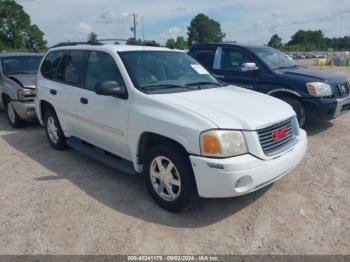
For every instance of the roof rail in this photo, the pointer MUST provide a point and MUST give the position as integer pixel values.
(77, 43)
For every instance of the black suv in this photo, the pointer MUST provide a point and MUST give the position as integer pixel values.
(312, 94)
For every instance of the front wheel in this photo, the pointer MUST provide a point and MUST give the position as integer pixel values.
(12, 116)
(298, 107)
(169, 177)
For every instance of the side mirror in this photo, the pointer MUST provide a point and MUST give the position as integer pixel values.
(248, 67)
(111, 88)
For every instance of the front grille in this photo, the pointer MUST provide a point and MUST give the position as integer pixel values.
(341, 90)
(278, 137)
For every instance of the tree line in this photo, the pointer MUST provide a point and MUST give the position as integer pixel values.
(308, 40)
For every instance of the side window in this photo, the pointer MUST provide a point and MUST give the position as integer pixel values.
(101, 67)
(205, 57)
(51, 63)
(70, 68)
(233, 60)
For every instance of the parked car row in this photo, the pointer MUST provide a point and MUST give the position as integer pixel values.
(182, 124)
(308, 55)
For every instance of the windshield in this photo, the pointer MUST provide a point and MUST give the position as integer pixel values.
(273, 58)
(156, 70)
(21, 65)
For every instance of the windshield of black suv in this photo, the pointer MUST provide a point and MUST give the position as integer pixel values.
(273, 58)
(152, 71)
(17, 65)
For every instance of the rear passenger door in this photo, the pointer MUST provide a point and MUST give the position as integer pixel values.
(205, 57)
(62, 71)
(103, 119)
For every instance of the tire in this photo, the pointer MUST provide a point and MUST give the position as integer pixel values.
(54, 131)
(298, 107)
(12, 116)
(180, 180)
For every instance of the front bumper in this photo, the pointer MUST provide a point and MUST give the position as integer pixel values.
(25, 110)
(326, 108)
(229, 177)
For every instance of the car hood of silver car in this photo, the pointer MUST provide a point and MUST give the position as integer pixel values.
(25, 80)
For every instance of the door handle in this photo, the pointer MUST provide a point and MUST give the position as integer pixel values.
(53, 92)
(84, 100)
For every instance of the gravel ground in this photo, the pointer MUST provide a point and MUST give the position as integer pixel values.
(63, 203)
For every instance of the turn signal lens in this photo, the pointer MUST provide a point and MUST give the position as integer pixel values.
(223, 143)
(211, 145)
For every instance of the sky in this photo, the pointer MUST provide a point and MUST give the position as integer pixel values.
(246, 21)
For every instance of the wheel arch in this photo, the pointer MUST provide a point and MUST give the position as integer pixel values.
(149, 139)
(43, 106)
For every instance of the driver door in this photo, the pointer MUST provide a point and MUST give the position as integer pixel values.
(103, 119)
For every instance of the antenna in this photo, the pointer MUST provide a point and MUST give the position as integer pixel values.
(133, 28)
(143, 32)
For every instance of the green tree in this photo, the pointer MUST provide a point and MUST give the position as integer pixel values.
(35, 39)
(204, 30)
(178, 43)
(170, 43)
(16, 31)
(275, 41)
(133, 41)
(92, 37)
(310, 40)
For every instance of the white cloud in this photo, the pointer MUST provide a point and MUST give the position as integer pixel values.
(84, 28)
(174, 31)
(107, 17)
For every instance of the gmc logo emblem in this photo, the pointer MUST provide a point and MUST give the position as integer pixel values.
(278, 135)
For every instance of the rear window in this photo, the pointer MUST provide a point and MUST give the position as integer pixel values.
(51, 63)
(19, 65)
(205, 57)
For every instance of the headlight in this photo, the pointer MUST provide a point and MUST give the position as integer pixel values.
(221, 143)
(319, 89)
(25, 94)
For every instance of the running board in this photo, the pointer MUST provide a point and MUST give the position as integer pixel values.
(102, 156)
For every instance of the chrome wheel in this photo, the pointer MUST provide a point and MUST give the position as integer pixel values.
(52, 130)
(11, 113)
(165, 178)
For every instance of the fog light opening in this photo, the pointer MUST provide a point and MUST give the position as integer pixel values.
(243, 184)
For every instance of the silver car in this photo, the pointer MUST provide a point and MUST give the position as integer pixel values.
(17, 86)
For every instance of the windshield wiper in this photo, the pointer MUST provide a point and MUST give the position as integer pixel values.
(22, 73)
(203, 83)
(161, 86)
(287, 67)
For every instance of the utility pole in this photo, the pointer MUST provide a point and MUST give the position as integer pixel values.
(133, 29)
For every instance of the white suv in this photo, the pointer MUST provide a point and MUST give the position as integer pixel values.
(158, 112)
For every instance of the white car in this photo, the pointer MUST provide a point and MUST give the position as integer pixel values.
(158, 112)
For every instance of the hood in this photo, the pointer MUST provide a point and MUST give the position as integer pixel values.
(232, 107)
(25, 80)
(314, 75)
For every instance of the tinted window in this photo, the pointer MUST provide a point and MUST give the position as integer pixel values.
(21, 65)
(233, 60)
(51, 63)
(101, 67)
(205, 57)
(70, 68)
